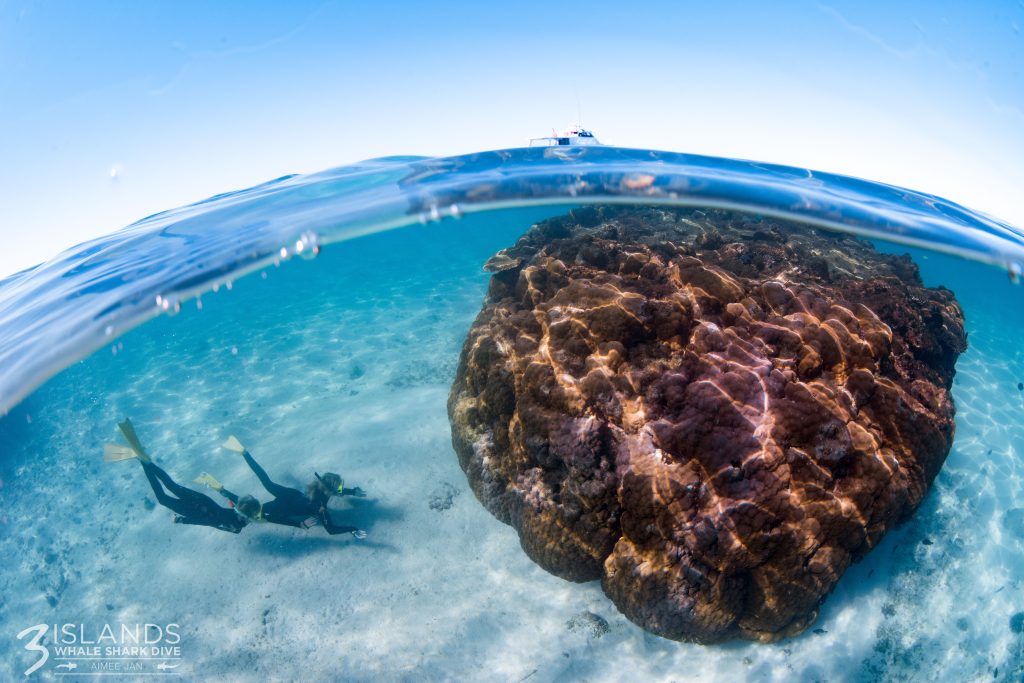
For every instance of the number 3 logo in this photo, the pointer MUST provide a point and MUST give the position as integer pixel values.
(34, 646)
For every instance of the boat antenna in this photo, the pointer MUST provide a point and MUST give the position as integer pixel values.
(579, 111)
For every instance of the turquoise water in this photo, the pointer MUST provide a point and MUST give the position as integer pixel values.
(343, 362)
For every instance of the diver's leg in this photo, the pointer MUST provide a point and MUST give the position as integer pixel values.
(173, 504)
(174, 487)
(187, 495)
(191, 508)
(273, 489)
(159, 473)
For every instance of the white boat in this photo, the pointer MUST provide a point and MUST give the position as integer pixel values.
(575, 135)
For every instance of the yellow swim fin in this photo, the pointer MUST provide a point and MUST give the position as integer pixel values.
(133, 440)
(209, 480)
(113, 452)
(233, 444)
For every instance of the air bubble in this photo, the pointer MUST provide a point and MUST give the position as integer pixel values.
(108, 330)
(234, 350)
(308, 245)
(199, 304)
(1015, 270)
(455, 210)
(168, 304)
(229, 284)
(431, 216)
(263, 275)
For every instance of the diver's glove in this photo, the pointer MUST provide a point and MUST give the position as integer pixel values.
(359, 533)
(357, 492)
(208, 480)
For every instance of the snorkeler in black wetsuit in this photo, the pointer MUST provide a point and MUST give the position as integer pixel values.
(290, 507)
(190, 507)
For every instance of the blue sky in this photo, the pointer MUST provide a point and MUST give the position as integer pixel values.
(112, 111)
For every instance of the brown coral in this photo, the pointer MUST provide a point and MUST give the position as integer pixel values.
(712, 413)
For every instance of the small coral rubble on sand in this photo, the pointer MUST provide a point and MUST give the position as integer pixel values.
(713, 413)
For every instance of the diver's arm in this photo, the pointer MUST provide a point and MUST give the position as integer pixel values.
(333, 530)
(230, 496)
(355, 491)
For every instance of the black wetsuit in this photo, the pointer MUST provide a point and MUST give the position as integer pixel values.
(191, 506)
(291, 507)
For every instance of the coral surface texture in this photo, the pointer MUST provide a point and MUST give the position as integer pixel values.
(712, 413)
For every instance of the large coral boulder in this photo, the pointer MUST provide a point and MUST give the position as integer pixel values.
(714, 414)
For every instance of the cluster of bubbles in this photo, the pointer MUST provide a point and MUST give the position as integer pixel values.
(436, 213)
(306, 246)
(169, 304)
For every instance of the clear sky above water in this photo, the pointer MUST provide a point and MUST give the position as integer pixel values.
(113, 111)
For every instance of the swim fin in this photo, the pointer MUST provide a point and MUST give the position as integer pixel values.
(209, 480)
(113, 452)
(133, 440)
(233, 444)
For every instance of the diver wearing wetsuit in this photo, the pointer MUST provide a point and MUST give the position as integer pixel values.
(290, 507)
(190, 507)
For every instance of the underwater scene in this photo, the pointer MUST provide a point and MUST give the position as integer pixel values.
(539, 414)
